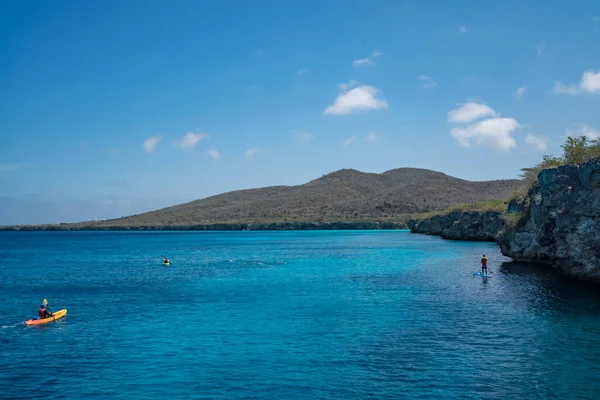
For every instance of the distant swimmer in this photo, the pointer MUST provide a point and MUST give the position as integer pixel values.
(484, 260)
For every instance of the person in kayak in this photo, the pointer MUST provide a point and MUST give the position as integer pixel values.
(44, 312)
(484, 260)
(166, 261)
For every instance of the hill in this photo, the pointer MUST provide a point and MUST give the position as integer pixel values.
(344, 196)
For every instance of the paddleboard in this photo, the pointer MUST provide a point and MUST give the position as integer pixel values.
(484, 275)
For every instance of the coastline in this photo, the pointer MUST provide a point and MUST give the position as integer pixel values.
(556, 223)
(275, 226)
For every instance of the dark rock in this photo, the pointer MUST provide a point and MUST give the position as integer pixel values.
(516, 206)
(472, 225)
(560, 224)
(561, 227)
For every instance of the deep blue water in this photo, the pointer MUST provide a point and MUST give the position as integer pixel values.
(289, 315)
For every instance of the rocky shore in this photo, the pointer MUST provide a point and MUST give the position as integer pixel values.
(557, 223)
(216, 227)
(561, 223)
(474, 225)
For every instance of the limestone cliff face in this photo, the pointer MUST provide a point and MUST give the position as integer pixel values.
(558, 222)
(561, 222)
(461, 225)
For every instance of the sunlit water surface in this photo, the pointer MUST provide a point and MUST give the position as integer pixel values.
(282, 315)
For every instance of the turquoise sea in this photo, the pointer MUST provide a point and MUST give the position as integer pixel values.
(289, 315)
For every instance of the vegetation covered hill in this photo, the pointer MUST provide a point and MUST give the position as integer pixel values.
(343, 196)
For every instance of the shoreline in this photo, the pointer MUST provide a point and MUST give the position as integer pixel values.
(286, 226)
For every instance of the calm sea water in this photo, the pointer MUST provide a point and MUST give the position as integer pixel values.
(289, 315)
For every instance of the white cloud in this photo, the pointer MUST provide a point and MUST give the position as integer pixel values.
(427, 81)
(538, 143)
(302, 71)
(151, 143)
(470, 112)
(251, 153)
(462, 29)
(304, 136)
(372, 137)
(583, 130)
(367, 61)
(362, 61)
(492, 132)
(356, 99)
(214, 153)
(350, 141)
(190, 139)
(520, 92)
(572, 89)
(589, 83)
(540, 48)
(346, 86)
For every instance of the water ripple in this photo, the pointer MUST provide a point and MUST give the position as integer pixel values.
(303, 315)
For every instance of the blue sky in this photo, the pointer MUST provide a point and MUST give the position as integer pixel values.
(113, 108)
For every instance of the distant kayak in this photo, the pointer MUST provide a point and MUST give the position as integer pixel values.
(480, 274)
(166, 263)
(57, 315)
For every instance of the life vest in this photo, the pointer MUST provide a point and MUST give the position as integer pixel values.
(42, 313)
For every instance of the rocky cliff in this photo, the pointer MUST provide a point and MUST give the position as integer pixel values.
(557, 223)
(461, 225)
(561, 222)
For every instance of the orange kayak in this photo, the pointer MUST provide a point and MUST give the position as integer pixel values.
(57, 315)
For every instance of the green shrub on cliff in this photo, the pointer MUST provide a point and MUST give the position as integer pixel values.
(580, 150)
(576, 150)
(529, 175)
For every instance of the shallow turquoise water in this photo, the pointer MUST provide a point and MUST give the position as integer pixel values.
(280, 315)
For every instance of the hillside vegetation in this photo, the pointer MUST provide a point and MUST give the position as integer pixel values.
(496, 205)
(343, 196)
(576, 150)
